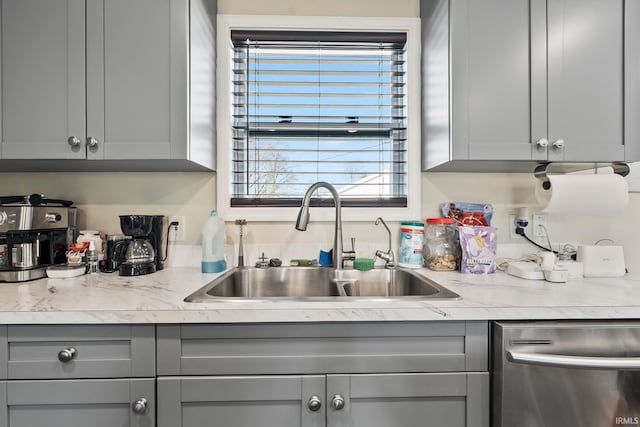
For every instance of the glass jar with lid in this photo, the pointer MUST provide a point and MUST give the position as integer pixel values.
(440, 244)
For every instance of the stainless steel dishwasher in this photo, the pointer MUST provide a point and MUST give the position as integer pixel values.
(559, 374)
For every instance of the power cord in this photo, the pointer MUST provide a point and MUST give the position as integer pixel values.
(520, 231)
(166, 245)
(503, 263)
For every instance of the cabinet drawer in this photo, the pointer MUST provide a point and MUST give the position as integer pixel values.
(71, 403)
(322, 348)
(72, 351)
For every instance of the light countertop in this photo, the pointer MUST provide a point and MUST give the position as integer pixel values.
(158, 298)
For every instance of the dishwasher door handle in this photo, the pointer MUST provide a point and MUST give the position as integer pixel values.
(580, 362)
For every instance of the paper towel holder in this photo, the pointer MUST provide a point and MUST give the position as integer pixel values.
(543, 169)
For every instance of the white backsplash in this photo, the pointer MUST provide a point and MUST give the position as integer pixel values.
(101, 197)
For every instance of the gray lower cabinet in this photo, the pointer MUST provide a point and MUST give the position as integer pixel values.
(529, 80)
(405, 374)
(77, 375)
(108, 80)
(453, 399)
(241, 401)
(78, 403)
(376, 400)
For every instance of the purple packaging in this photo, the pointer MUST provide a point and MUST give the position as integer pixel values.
(479, 246)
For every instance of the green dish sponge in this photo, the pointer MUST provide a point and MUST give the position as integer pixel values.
(363, 264)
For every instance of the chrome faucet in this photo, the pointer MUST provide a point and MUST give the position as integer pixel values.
(389, 259)
(303, 221)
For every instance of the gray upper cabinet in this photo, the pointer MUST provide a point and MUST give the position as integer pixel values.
(526, 81)
(109, 81)
(43, 79)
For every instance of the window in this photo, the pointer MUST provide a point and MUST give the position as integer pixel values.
(319, 104)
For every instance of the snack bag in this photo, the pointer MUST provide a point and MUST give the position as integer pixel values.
(468, 213)
(479, 246)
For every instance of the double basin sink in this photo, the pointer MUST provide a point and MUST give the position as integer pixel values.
(318, 283)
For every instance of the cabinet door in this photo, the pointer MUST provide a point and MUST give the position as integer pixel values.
(408, 400)
(137, 60)
(247, 401)
(43, 79)
(498, 106)
(632, 81)
(586, 79)
(77, 403)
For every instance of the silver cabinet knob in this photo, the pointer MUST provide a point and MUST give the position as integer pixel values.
(73, 141)
(92, 142)
(67, 355)
(139, 406)
(542, 142)
(338, 402)
(314, 403)
(557, 145)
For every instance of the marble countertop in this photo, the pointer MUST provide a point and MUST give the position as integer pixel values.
(159, 298)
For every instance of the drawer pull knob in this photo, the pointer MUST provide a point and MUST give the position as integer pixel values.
(92, 142)
(67, 355)
(542, 143)
(74, 141)
(314, 404)
(337, 402)
(139, 406)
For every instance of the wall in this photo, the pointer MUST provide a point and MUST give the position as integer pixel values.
(321, 8)
(101, 197)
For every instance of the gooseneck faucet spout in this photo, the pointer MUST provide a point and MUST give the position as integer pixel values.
(303, 219)
(387, 256)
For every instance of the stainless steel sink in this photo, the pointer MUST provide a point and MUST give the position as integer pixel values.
(318, 283)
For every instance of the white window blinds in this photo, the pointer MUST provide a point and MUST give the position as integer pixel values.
(318, 106)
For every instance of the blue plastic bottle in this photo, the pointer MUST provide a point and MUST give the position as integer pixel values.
(213, 240)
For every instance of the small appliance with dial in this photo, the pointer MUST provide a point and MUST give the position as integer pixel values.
(35, 232)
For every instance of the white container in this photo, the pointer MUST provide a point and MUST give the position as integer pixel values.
(411, 242)
(213, 239)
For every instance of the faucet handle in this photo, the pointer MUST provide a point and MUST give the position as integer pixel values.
(263, 262)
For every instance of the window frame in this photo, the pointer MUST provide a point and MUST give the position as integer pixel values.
(226, 23)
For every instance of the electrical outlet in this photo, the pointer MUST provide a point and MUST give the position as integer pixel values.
(539, 225)
(176, 232)
(512, 228)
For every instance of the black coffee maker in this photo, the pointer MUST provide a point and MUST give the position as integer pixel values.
(142, 253)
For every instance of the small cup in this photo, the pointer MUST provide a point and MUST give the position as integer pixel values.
(325, 259)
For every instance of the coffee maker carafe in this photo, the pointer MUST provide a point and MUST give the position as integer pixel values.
(142, 253)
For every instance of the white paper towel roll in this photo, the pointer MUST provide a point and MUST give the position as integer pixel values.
(601, 194)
